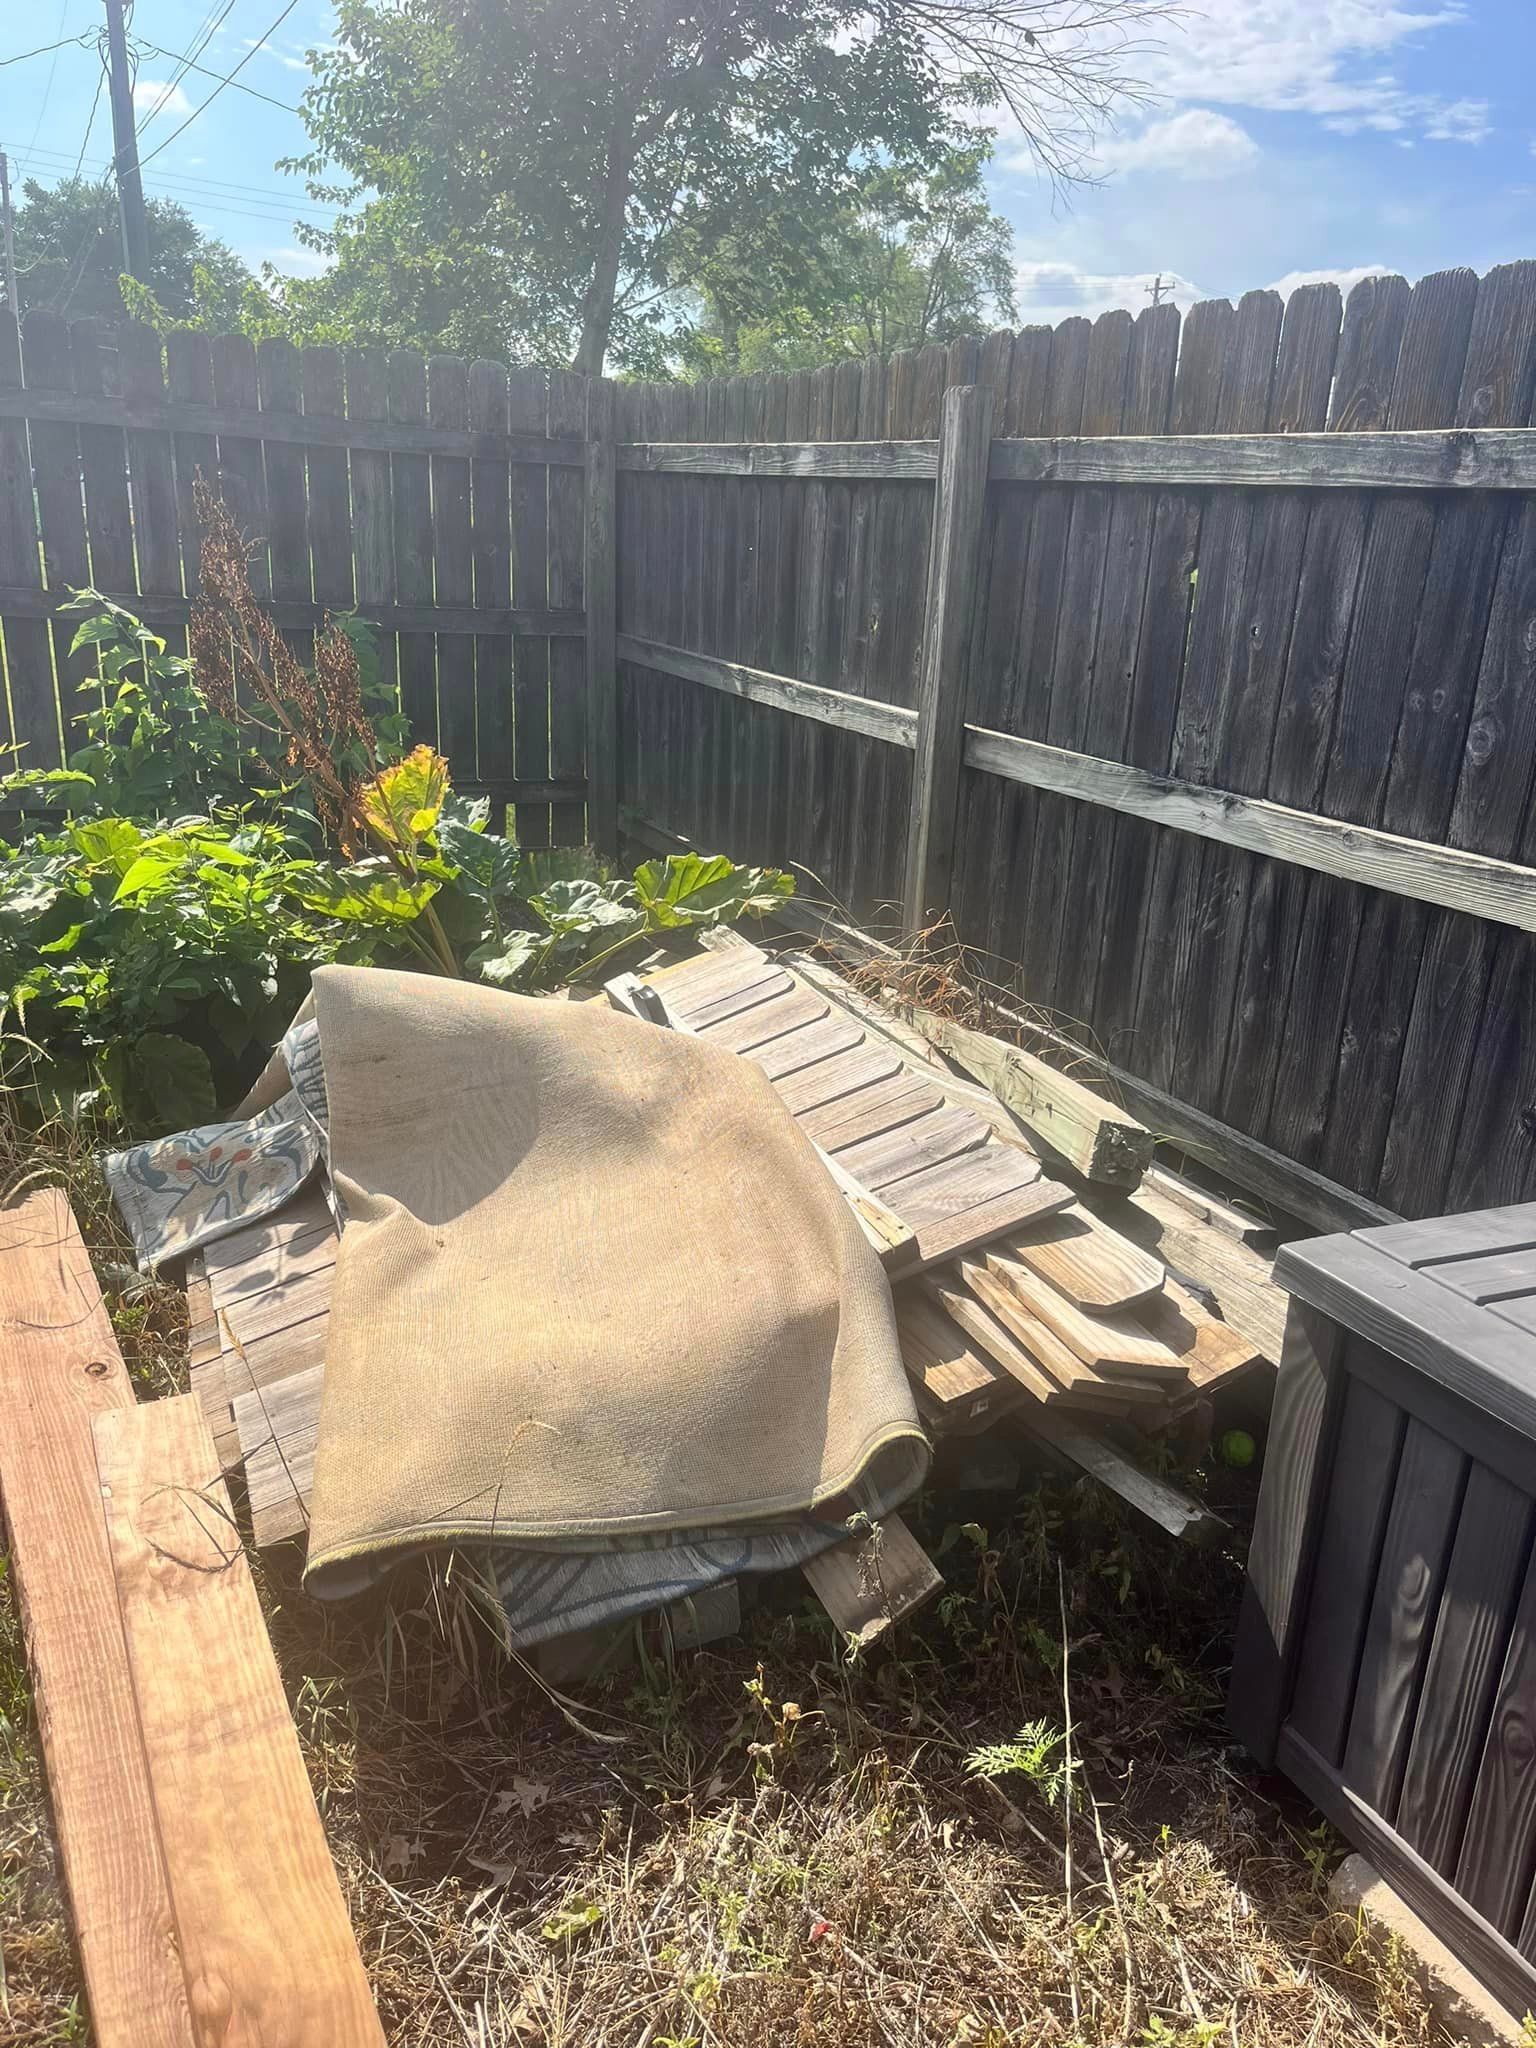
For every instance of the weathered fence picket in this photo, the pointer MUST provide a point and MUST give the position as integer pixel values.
(1201, 692)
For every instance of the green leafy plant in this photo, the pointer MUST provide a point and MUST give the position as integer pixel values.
(1037, 1752)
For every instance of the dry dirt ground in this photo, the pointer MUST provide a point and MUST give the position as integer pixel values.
(1021, 1823)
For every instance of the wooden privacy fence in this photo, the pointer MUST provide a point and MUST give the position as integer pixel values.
(442, 499)
(1190, 665)
(1203, 696)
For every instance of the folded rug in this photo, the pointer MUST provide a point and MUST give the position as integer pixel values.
(596, 1297)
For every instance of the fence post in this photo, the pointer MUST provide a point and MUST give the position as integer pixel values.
(954, 563)
(601, 597)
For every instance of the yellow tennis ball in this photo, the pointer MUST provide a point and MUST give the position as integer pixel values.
(1237, 1447)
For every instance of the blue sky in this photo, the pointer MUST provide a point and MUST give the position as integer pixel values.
(1287, 139)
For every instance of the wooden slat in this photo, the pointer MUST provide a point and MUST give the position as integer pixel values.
(490, 523)
(411, 514)
(812, 459)
(261, 1925)
(1101, 1341)
(954, 565)
(1087, 1262)
(28, 656)
(1050, 1353)
(245, 419)
(1502, 891)
(883, 1107)
(784, 1057)
(300, 613)
(1172, 1510)
(453, 565)
(944, 1230)
(887, 1162)
(601, 585)
(783, 693)
(869, 1583)
(1212, 1353)
(59, 1368)
(278, 1429)
(1489, 459)
(528, 410)
(759, 1024)
(945, 1324)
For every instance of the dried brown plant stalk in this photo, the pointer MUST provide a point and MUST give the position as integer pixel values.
(250, 675)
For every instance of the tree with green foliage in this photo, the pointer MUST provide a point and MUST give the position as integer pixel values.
(912, 261)
(561, 180)
(69, 256)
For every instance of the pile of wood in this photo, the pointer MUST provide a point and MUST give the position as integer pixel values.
(1010, 1291)
(204, 1899)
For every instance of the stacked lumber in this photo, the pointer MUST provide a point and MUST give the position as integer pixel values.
(204, 1900)
(1021, 1294)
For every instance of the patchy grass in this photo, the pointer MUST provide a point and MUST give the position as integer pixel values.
(763, 1845)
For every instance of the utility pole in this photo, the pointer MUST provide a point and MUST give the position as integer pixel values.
(1157, 288)
(125, 149)
(13, 306)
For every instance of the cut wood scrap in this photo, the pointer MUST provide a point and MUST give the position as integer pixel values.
(869, 1582)
(59, 1368)
(1112, 1341)
(265, 1941)
(925, 1320)
(895, 1156)
(1203, 1259)
(961, 1184)
(1105, 1144)
(1178, 1513)
(892, 1238)
(801, 1049)
(1087, 1261)
(884, 1107)
(947, 1235)
(838, 1078)
(279, 1426)
(1212, 1352)
(1000, 1305)
(764, 1022)
(1237, 1223)
(963, 1390)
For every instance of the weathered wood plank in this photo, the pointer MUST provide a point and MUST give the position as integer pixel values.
(261, 1924)
(1486, 459)
(59, 1368)
(1499, 890)
(1175, 1512)
(1088, 1262)
(878, 459)
(954, 567)
(784, 693)
(600, 584)
(1114, 1341)
(870, 1582)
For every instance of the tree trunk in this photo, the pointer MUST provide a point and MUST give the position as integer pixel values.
(603, 285)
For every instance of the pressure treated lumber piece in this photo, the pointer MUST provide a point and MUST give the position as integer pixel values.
(930, 1317)
(884, 1107)
(1204, 1260)
(265, 1940)
(1179, 1513)
(1118, 1341)
(1087, 1262)
(998, 1301)
(59, 1368)
(1105, 1144)
(1491, 459)
(944, 1234)
(1213, 1353)
(870, 1582)
(891, 1159)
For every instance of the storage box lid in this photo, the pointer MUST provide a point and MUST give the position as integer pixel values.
(1455, 1296)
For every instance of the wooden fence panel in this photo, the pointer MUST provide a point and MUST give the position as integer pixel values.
(358, 480)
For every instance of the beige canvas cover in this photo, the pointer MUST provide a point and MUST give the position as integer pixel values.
(594, 1285)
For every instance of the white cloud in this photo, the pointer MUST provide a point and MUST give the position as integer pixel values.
(1346, 280)
(147, 94)
(290, 60)
(296, 261)
(1327, 58)
(1193, 144)
(1048, 292)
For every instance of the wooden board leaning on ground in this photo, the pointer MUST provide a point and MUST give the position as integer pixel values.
(201, 1888)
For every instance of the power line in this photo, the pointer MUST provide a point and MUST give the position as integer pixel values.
(44, 48)
(207, 103)
(77, 262)
(153, 50)
(200, 42)
(283, 202)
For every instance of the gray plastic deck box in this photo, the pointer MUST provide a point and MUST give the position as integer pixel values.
(1386, 1655)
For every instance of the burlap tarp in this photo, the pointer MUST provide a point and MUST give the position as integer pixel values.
(594, 1286)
